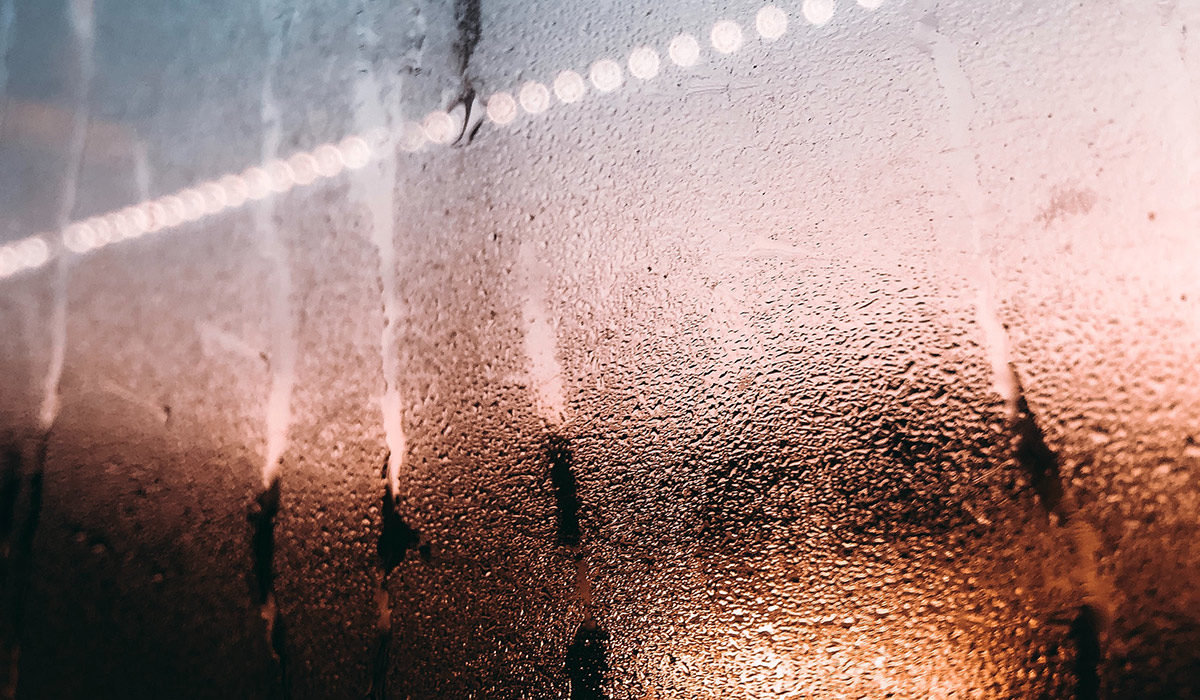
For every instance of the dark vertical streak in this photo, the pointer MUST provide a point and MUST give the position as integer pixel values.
(379, 664)
(1085, 632)
(279, 648)
(10, 486)
(1041, 463)
(587, 657)
(262, 542)
(396, 539)
(468, 22)
(261, 516)
(587, 662)
(1035, 457)
(23, 556)
(19, 564)
(566, 495)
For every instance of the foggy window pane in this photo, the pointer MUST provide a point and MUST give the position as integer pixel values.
(551, 349)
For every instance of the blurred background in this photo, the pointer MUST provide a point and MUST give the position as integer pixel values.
(563, 349)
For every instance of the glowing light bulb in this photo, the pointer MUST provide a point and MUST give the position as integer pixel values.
(78, 237)
(569, 86)
(32, 252)
(8, 261)
(771, 22)
(236, 192)
(329, 160)
(439, 127)
(214, 197)
(817, 12)
(193, 204)
(726, 36)
(355, 152)
(280, 176)
(174, 209)
(156, 214)
(304, 168)
(101, 228)
(120, 226)
(684, 50)
(139, 221)
(643, 63)
(606, 75)
(501, 108)
(534, 97)
(258, 183)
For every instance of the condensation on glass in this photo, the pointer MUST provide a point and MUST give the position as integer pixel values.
(496, 349)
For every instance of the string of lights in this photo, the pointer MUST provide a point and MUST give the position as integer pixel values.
(438, 128)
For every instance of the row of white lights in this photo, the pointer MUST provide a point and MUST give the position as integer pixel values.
(353, 152)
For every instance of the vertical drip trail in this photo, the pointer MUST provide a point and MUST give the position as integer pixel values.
(1028, 441)
(586, 662)
(468, 23)
(396, 539)
(261, 517)
(960, 105)
(81, 18)
(141, 169)
(540, 341)
(283, 351)
(10, 487)
(83, 27)
(8, 24)
(566, 492)
(17, 576)
(544, 368)
(274, 250)
(377, 111)
(375, 187)
(1041, 464)
(10, 479)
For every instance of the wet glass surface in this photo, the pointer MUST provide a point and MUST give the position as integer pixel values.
(478, 348)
